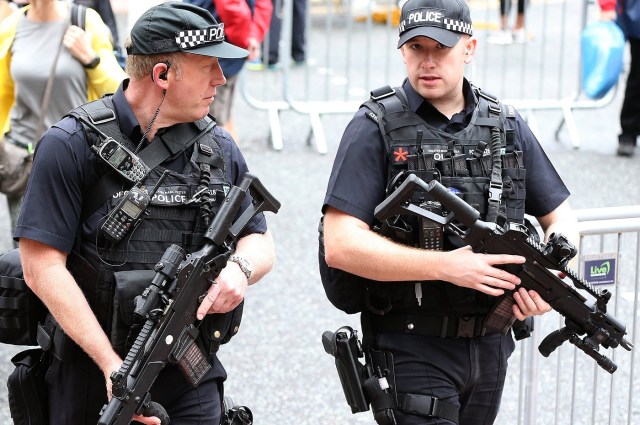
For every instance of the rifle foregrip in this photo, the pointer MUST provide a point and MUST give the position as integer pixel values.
(552, 341)
(156, 409)
(463, 212)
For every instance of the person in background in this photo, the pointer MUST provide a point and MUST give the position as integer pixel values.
(627, 16)
(86, 69)
(245, 25)
(505, 35)
(70, 263)
(427, 293)
(104, 9)
(298, 32)
(6, 8)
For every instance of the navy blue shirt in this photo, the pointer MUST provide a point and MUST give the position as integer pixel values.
(65, 169)
(358, 180)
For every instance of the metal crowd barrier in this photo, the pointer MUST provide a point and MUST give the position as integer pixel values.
(568, 387)
(351, 50)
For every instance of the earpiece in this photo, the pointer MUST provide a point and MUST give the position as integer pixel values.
(163, 75)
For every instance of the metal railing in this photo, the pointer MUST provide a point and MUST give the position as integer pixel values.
(568, 387)
(351, 50)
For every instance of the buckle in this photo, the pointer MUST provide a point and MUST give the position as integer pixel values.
(495, 192)
(206, 150)
(433, 409)
(383, 95)
(494, 109)
(104, 115)
(466, 327)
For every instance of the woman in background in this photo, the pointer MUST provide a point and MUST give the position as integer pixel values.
(85, 70)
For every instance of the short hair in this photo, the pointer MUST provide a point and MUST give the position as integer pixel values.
(141, 66)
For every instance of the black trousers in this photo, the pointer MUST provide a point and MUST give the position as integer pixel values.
(630, 113)
(298, 31)
(77, 393)
(466, 372)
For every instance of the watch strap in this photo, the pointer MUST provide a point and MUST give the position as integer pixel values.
(243, 264)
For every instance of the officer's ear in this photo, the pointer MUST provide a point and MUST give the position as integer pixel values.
(470, 49)
(159, 74)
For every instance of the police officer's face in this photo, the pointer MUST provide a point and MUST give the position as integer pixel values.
(435, 70)
(192, 94)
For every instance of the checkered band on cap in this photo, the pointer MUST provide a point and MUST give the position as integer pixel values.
(458, 26)
(188, 39)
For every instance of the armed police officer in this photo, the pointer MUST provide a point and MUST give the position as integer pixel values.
(423, 295)
(82, 268)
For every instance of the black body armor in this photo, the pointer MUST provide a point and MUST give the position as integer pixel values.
(112, 274)
(478, 163)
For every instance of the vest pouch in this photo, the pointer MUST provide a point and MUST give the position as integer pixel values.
(20, 309)
(473, 190)
(344, 290)
(128, 285)
(28, 398)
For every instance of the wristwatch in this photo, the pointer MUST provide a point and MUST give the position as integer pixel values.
(243, 264)
(94, 63)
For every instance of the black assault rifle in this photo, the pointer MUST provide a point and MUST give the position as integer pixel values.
(582, 316)
(169, 306)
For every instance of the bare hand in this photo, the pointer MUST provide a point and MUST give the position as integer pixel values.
(226, 293)
(529, 303)
(254, 49)
(78, 42)
(476, 271)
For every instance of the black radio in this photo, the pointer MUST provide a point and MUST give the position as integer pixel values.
(121, 159)
(129, 211)
(431, 232)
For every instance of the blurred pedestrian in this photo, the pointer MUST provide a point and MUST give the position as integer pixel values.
(518, 33)
(245, 25)
(627, 15)
(39, 49)
(104, 9)
(298, 32)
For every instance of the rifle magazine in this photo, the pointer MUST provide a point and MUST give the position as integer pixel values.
(190, 358)
(501, 318)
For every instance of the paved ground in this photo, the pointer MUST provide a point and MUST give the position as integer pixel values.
(276, 364)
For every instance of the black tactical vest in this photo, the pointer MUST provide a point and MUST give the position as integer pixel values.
(478, 163)
(110, 275)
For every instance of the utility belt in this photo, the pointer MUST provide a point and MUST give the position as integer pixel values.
(435, 326)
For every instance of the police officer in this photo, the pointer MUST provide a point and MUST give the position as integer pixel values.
(423, 312)
(72, 265)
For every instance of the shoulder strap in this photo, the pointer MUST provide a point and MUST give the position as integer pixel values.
(386, 105)
(100, 114)
(495, 120)
(78, 15)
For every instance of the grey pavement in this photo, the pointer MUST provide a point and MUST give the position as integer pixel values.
(276, 364)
